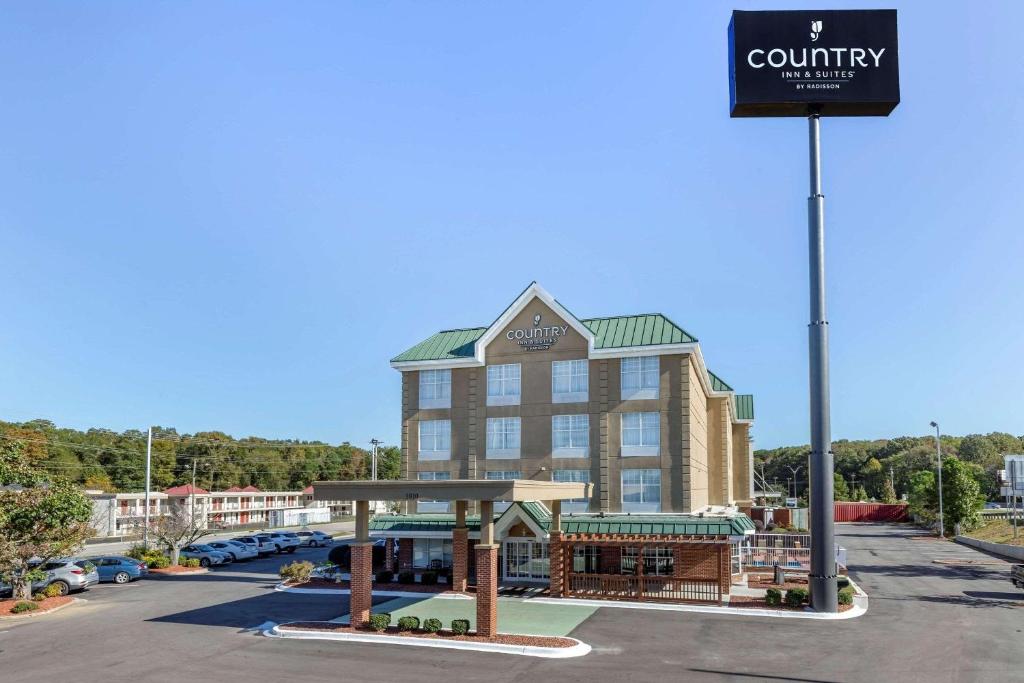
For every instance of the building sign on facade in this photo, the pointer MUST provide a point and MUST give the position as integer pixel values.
(836, 62)
(540, 337)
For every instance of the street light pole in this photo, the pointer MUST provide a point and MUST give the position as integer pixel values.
(149, 455)
(822, 576)
(938, 453)
(373, 455)
(795, 471)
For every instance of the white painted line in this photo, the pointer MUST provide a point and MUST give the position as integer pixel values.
(855, 611)
(577, 650)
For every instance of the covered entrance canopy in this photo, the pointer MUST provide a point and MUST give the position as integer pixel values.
(462, 491)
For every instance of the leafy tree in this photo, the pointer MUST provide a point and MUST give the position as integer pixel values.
(888, 492)
(839, 488)
(923, 496)
(859, 494)
(178, 529)
(961, 496)
(41, 518)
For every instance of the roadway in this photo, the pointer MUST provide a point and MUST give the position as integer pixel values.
(931, 617)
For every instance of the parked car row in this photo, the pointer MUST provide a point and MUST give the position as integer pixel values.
(72, 575)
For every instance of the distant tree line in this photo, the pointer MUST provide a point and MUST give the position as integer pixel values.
(112, 461)
(887, 468)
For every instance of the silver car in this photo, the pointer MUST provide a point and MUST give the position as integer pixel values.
(314, 539)
(69, 575)
(206, 555)
(236, 550)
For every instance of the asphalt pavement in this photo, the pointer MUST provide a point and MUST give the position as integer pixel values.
(932, 617)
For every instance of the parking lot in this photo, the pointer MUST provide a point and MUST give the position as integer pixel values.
(928, 620)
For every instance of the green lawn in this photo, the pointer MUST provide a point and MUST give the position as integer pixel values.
(514, 615)
(999, 531)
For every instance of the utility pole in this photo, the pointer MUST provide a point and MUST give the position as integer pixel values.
(853, 484)
(938, 452)
(822, 576)
(193, 490)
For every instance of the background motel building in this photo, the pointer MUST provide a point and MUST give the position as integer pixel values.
(119, 514)
(625, 404)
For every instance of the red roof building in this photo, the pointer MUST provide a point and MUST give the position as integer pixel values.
(185, 490)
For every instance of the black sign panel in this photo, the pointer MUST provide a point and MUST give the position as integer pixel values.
(836, 62)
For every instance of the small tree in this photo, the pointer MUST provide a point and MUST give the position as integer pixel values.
(41, 518)
(923, 496)
(178, 529)
(839, 488)
(961, 496)
(888, 492)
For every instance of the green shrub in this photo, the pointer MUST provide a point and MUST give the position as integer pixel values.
(137, 552)
(796, 597)
(428, 578)
(157, 560)
(432, 625)
(773, 597)
(51, 591)
(191, 562)
(460, 627)
(408, 623)
(39, 597)
(380, 622)
(842, 581)
(24, 607)
(406, 577)
(296, 572)
(846, 596)
(384, 576)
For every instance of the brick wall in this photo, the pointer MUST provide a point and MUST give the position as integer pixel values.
(706, 562)
(405, 554)
(611, 560)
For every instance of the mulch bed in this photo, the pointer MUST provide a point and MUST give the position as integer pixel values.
(759, 603)
(500, 639)
(407, 587)
(767, 581)
(178, 569)
(44, 606)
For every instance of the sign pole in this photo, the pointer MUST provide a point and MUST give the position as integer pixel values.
(822, 577)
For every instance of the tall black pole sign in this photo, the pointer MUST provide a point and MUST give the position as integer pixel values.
(814, 64)
(844, 62)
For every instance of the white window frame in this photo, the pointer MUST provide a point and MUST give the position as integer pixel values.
(426, 549)
(643, 505)
(504, 384)
(504, 447)
(644, 447)
(433, 505)
(435, 453)
(502, 475)
(578, 374)
(573, 475)
(436, 388)
(639, 377)
(573, 449)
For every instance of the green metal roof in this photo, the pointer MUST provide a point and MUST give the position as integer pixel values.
(535, 511)
(685, 525)
(744, 407)
(650, 329)
(717, 384)
(421, 522)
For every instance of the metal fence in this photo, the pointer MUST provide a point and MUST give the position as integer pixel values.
(789, 551)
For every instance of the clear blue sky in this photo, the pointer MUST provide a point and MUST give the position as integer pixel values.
(230, 215)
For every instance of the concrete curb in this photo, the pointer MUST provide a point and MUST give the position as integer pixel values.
(157, 574)
(281, 588)
(577, 650)
(29, 615)
(1011, 552)
(856, 611)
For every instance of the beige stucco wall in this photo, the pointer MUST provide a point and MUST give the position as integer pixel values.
(695, 447)
(742, 463)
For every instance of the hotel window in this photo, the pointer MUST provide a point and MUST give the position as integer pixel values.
(507, 475)
(657, 561)
(641, 490)
(569, 380)
(435, 440)
(503, 437)
(573, 504)
(639, 377)
(503, 385)
(435, 388)
(433, 505)
(428, 553)
(570, 436)
(641, 434)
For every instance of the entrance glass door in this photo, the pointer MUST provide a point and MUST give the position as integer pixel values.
(526, 560)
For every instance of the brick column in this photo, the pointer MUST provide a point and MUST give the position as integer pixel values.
(460, 558)
(556, 564)
(405, 554)
(487, 590)
(389, 554)
(724, 568)
(361, 583)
